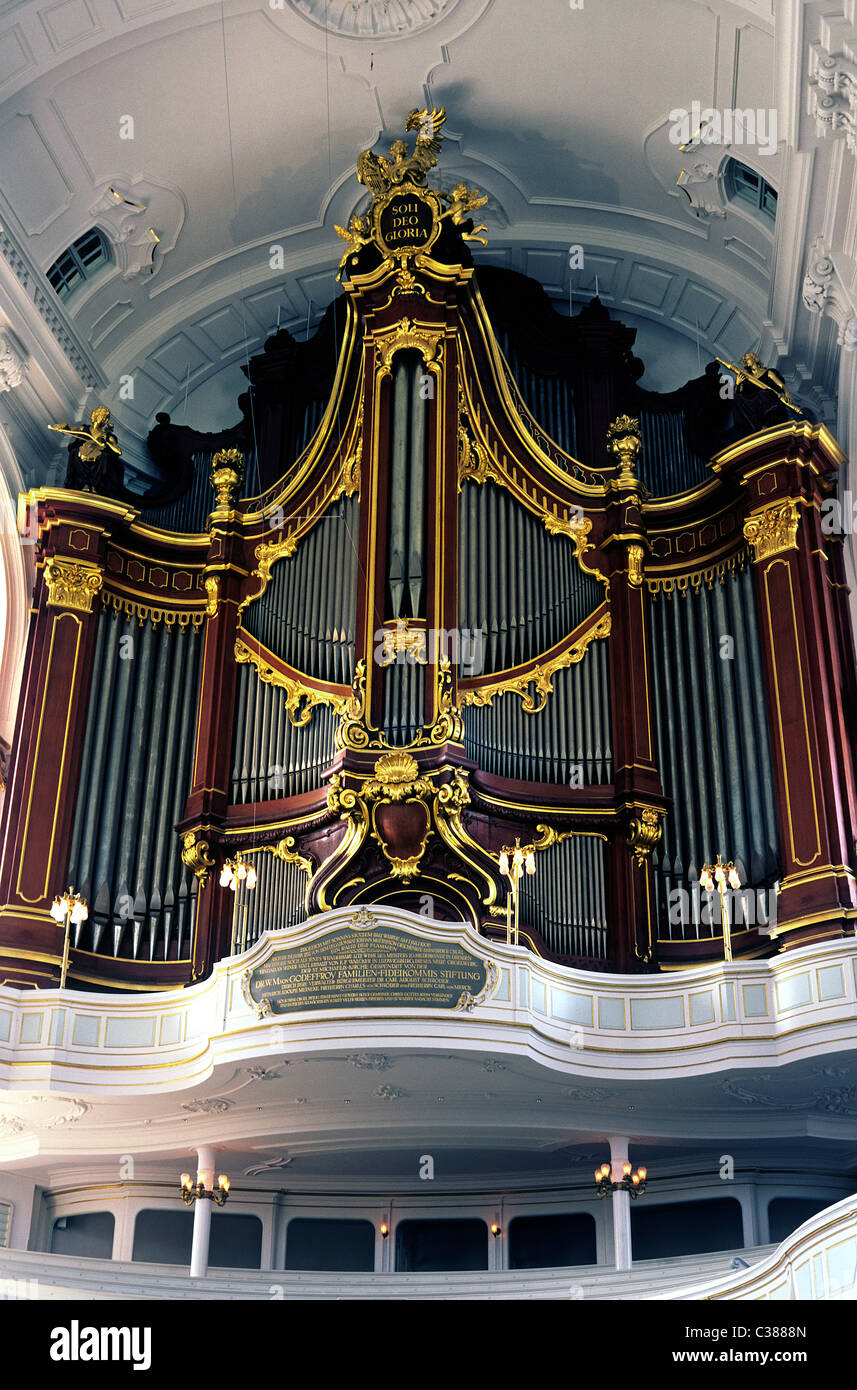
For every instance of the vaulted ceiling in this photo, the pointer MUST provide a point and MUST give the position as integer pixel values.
(247, 117)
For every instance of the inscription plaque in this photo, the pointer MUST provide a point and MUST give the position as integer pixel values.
(405, 224)
(381, 968)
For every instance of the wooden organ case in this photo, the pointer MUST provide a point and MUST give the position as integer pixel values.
(465, 584)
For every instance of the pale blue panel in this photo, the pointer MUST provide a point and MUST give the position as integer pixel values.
(539, 997)
(793, 992)
(503, 988)
(658, 1013)
(171, 1028)
(31, 1028)
(85, 1031)
(727, 1003)
(819, 1276)
(57, 1027)
(5, 1025)
(755, 1001)
(842, 1265)
(574, 1008)
(611, 1013)
(523, 987)
(831, 982)
(701, 1008)
(130, 1032)
(803, 1281)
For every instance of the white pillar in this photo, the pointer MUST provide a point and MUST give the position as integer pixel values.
(621, 1204)
(202, 1216)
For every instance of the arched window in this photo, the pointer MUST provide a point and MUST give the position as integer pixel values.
(79, 262)
(747, 188)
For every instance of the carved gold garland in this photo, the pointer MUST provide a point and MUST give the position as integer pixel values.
(72, 583)
(212, 588)
(709, 575)
(773, 529)
(144, 613)
(300, 698)
(533, 702)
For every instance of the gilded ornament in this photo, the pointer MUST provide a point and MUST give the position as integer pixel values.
(403, 640)
(624, 442)
(300, 698)
(350, 483)
(407, 334)
(644, 831)
(285, 850)
(773, 529)
(72, 583)
(212, 588)
(397, 776)
(195, 854)
(358, 234)
(227, 473)
(382, 175)
(541, 678)
(635, 566)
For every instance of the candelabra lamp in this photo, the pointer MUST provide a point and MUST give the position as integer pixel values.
(238, 870)
(515, 860)
(721, 876)
(68, 908)
(195, 1192)
(635, 1183)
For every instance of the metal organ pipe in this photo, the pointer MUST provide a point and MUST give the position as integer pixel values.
(713, 748)
(135, 776)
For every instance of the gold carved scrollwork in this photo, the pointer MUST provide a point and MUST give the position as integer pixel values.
(644, 831)
(72, 583)
(541, 678)
(407, 334)
(403, 639)
(773, 529)
(354, 731)
(635, 566)
(285, 850)
(300, 698)
(351, 464)
(227, 472)
(195, 854)
(474, 462)
(267, 554)
(212, 588)
(397, 777)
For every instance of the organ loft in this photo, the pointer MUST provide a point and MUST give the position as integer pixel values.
(458, 619)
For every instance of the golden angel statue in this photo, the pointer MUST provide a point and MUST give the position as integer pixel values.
(93, 455)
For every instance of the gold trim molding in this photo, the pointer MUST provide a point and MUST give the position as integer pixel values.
(72, 583)
(407, 334)
(195, 854)
(143, 613)
(296, 691)
(533, 702)
(773, 529)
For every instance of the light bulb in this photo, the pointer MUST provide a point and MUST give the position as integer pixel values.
(531, 863)
(185, 1179)
(57, 910)
(635, 1179)
(241, 869)
(642, 1172)
(233, 884)
(223, 1183)
(626, 1168)
(225, 876)
(734, 880)
(251, 877)
(504, 863)
(598, 1175)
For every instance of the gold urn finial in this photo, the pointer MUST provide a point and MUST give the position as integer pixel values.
(227, 473)
(624, 442)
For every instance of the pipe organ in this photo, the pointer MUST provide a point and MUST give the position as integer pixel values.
(456, 582)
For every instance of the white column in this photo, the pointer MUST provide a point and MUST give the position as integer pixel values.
(202, 1216)
(621, 1204)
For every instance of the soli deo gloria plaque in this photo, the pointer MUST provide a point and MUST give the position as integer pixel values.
(369, 965)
